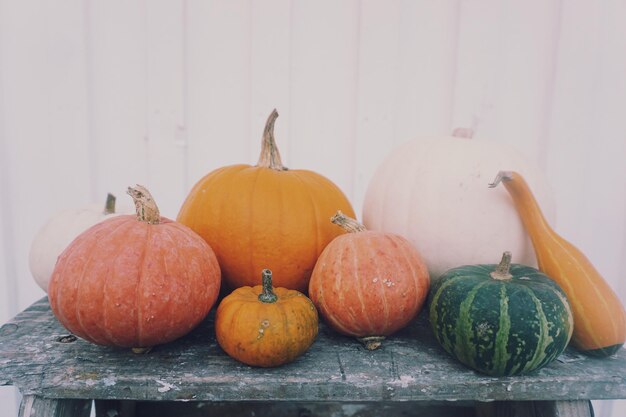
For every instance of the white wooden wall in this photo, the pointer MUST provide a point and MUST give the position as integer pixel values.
(96, 95)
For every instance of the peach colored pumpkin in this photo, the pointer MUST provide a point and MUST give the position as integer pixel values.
(368, 284)
(134, 281)
(265, 216)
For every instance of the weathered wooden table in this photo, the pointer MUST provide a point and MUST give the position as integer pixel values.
(60, 375)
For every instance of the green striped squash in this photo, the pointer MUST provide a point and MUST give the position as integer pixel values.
(505, 319)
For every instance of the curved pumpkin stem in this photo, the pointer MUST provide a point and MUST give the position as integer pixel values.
(270, 156)
(147, 210)
(109, 206)
(347, 223)
(267, 296)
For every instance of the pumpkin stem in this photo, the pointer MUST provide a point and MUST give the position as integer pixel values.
(463, 132)
(347, 223)
(109, 206)
(371, 342)
(502, 176)
(141, 350)
(270, 156)
(502, 270)
(147, 210)
(267, 296)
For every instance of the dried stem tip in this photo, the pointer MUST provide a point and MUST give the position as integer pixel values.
(347, 223)
(502, 270)
(147, 210)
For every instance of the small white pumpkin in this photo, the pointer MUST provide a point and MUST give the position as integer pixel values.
(434, 192)
(60, 231)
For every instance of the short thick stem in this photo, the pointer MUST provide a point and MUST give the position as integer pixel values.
(371, 342)
(109, 206)
(267, 296)
(502, 270)
(145, 206)
(270, 156)
(347, 223)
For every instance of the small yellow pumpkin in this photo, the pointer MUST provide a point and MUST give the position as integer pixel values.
(265, 326)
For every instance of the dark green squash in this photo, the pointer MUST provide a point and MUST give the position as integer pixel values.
(505, 319)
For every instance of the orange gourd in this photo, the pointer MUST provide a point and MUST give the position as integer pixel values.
(264, 216)
(599, 316)
(368, 284)
(265, 326)
(134, 281)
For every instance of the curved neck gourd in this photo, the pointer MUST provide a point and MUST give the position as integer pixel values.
(599, 317)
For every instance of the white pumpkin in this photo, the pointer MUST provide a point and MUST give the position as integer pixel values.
(434, 191)
(58, 233)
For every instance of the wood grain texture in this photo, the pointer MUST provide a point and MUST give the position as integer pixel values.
(409, 367)
(35, 406)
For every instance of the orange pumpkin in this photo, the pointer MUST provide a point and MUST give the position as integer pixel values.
(264, 216)
(265, 326)
(368, 284)
(134, 281)
(599, 316)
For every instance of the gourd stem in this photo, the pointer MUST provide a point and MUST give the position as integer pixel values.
(109, 206)
(502, 270)
(147, 210)
(267, 296)
(270, 156)
(347, 223)
(527, 206)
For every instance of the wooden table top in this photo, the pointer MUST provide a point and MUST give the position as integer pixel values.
(410, 366)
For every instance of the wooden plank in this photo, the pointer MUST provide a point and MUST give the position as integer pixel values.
(577, 408)
(590, 95)
(117, 68)
(166, 133)
(324, 45)
(426, 68)
(299, 409)
(409, 367)
(44, 125)
(376, 91)
(270, 74)
(34, 406)
(217, 86)
(524, 75)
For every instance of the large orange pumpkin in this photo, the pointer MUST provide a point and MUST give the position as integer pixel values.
(134, 281)
(265, 216)
(368, 284)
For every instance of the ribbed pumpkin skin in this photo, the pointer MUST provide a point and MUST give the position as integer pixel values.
(258, 217)
(127, 283)
(369, 283)
(500, 327)
(265, 334)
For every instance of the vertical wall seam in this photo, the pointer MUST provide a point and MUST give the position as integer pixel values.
(354, 142)
(8, 219)
(550, 90)
(454, 72)
(250, 117)
(146, 94)
(290, 77)
(396, 81)
(90, 102)
(185, 95)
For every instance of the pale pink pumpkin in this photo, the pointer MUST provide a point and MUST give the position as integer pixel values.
(134, 281)
(368, 284)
